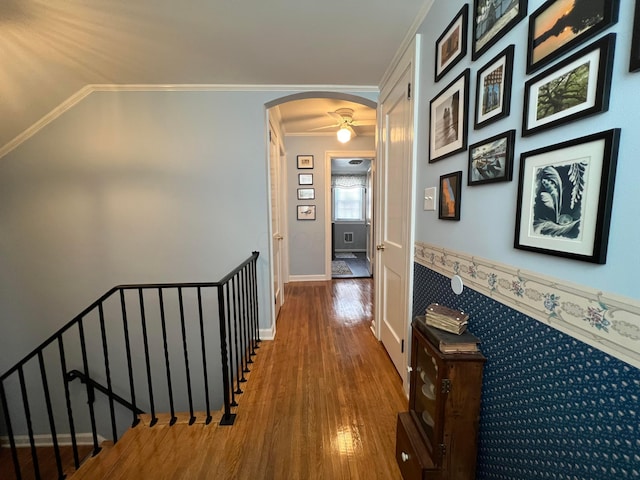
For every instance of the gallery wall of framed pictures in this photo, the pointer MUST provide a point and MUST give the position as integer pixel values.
(565, 52)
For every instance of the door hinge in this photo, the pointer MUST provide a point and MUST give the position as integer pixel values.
(408, 91)
(443, 450)
(402, 346)
(446, 385)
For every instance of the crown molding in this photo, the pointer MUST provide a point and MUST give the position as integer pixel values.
(89, 89)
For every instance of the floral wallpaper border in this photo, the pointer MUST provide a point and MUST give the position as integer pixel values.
(607, 322)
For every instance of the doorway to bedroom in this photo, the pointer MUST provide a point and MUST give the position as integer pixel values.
(351, 217)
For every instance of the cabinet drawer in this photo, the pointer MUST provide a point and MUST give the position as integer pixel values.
(411, 453)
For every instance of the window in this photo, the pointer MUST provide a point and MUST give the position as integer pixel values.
(348, 204)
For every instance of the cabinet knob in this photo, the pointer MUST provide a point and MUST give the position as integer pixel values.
(404, 456)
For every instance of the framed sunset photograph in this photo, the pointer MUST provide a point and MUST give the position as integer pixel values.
(560, 25)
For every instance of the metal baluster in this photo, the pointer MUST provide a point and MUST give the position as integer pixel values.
(167, 366)
(90, 393)
(227, 417)
(232, 369)
(239, 362)
(240, 325)
(72, 428)
(192, 419)
(52, 423)
(107, 370)
(12, 440)
(127, 343)
(254, 297)
(27, 413)
(145, 338)
(245, 316)
(204, 357)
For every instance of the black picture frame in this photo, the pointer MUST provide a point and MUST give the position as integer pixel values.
(493, 89)
(306, 212)
(585, 78)
(305, 179)
(451, 45)
(545, 45)
(491, 160)
(449, 197)
(565, 195)
(490, 25)
(634, 60)
(306, 194)
(448, 120)
(305, 162)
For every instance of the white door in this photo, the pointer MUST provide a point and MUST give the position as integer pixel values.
(395, 237)
(276, 220)
(369, 219)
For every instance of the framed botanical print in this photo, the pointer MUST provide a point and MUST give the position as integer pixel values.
(451, 46)
(493, 89)
(448, 120)
(565, 195)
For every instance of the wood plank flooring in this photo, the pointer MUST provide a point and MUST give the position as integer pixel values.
(320, 403)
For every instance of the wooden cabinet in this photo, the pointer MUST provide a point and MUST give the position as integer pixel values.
(437, 438)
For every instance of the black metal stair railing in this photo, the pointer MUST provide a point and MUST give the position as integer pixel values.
(154, 340)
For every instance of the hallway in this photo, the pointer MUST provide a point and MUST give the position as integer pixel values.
(320, 403)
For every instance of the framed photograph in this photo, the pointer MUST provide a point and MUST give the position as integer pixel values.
(305, 179)
(305, 161)
(565, 195)
(574, 88)
(306, 212)
(449, 200)
(634, 61)
(492, 159)
(493, 89)
(560, 25)
(492, 19)
(448, 120)
(306, 194)
(451, 46)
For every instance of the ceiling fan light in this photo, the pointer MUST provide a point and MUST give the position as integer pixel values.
(344, 135)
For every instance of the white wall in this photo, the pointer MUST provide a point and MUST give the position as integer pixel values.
(486, 228)
(307, 238)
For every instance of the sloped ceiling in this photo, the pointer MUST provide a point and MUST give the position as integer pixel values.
(50, 49)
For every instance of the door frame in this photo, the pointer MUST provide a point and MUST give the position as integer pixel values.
(328, 198)
(410, 59)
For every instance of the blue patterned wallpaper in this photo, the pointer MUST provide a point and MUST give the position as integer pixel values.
(552, 406)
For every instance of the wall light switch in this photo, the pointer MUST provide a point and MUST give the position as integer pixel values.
(430, 198)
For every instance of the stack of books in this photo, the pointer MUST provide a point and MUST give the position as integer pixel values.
(447, 319)
(447, 342)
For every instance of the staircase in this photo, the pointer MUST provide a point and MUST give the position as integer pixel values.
(139, 348)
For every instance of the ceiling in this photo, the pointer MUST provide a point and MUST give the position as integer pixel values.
(50, 49)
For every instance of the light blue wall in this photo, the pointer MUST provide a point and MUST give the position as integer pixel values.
(486, 228)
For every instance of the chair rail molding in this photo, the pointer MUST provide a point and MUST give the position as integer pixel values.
(605, 321)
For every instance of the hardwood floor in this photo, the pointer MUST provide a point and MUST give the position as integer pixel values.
(320, 403)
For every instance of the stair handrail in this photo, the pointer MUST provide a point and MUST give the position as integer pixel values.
(239, 338)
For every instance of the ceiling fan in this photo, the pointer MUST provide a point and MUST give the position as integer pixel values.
(345, 123)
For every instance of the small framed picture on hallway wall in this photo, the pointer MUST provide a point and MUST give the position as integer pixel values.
(305, 161)
(448, 120)
(450, 190)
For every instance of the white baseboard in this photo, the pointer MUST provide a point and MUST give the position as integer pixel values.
(267, 333)
(47, 440)
(308, 278)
